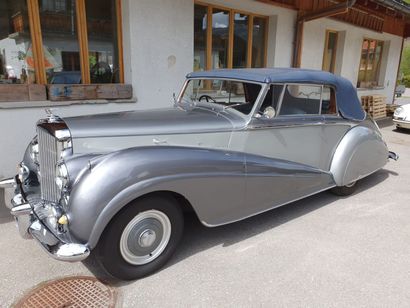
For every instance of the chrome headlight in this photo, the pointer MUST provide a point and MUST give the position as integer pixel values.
(34, 150)
(62, 176)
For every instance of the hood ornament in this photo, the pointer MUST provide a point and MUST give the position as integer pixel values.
(52, 118)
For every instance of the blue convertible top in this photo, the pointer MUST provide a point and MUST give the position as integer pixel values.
(347, 101)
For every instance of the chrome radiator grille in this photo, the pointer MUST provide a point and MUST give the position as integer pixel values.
(48, 155)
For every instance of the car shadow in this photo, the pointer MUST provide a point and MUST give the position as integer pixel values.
(198, 238)
(402, 131)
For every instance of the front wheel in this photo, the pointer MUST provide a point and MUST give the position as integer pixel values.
(344, 190)
(141, 238)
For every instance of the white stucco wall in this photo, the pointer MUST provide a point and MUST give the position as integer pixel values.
(158, 50)
(158, 43)
(18, 126)
(349, 52)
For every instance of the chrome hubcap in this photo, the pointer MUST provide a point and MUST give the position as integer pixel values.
(145, 237)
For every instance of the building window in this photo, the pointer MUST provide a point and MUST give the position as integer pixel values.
(220, 38)
(16, 50)
(102, 41)
(240, 40)
(72, 41)
(225, 38)
(61, 47)
(259, 40)
(329, 54)
(370, 63)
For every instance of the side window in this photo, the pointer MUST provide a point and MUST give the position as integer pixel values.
(301, 100)
(269, 105)
(329, 101)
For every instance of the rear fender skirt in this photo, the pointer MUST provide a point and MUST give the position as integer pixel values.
(361, 152)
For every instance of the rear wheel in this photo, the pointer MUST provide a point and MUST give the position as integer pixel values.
(344, 190)
(141, 238)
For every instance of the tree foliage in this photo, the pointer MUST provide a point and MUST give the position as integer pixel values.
(405, 64)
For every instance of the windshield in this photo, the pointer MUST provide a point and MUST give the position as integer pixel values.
(238, 95)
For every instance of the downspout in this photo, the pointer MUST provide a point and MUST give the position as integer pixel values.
(336, 9)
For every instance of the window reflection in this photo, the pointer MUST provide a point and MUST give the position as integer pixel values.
(60, 41)
(240, 41)
(16, 55)
(220, 38)
(259, 42)
(102, 41)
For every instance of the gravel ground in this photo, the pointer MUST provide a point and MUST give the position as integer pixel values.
(323, 251)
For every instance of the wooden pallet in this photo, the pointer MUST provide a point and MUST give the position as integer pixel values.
(390, 109)
(374, 105)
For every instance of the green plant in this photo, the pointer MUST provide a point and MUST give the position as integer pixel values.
(406, 81)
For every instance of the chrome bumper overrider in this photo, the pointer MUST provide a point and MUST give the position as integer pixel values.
(31, 227)
(393, 155)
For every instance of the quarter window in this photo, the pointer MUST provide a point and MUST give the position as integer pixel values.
(301, 100)
(308, 100)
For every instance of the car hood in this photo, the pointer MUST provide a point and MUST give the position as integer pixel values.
(151, 122)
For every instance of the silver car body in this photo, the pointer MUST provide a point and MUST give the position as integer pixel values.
(226, 165)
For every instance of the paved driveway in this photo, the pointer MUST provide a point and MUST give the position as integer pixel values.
(323, 251)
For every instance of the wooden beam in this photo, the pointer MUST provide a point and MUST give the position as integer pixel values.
(231, 38)
(22, 92)
(83, 41)
(250, 42)
(118, 10)
(83, 92)
(208, 63)
(297, 55)
(36, 41)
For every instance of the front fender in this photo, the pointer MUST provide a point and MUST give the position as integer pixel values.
(361, 152)
(123, 176)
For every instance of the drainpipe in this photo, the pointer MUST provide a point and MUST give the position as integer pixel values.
(336, 9)
(398, 70)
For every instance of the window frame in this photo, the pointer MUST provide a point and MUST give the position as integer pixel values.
(208, 54)
(81, 20)
(334, 53)
(371, 83)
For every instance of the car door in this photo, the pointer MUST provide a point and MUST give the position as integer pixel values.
(288, 150)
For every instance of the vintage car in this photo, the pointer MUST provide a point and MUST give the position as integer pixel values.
(401, 116)
(237, 143)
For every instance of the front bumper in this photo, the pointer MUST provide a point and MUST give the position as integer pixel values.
(402, 123)
(30, 226)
